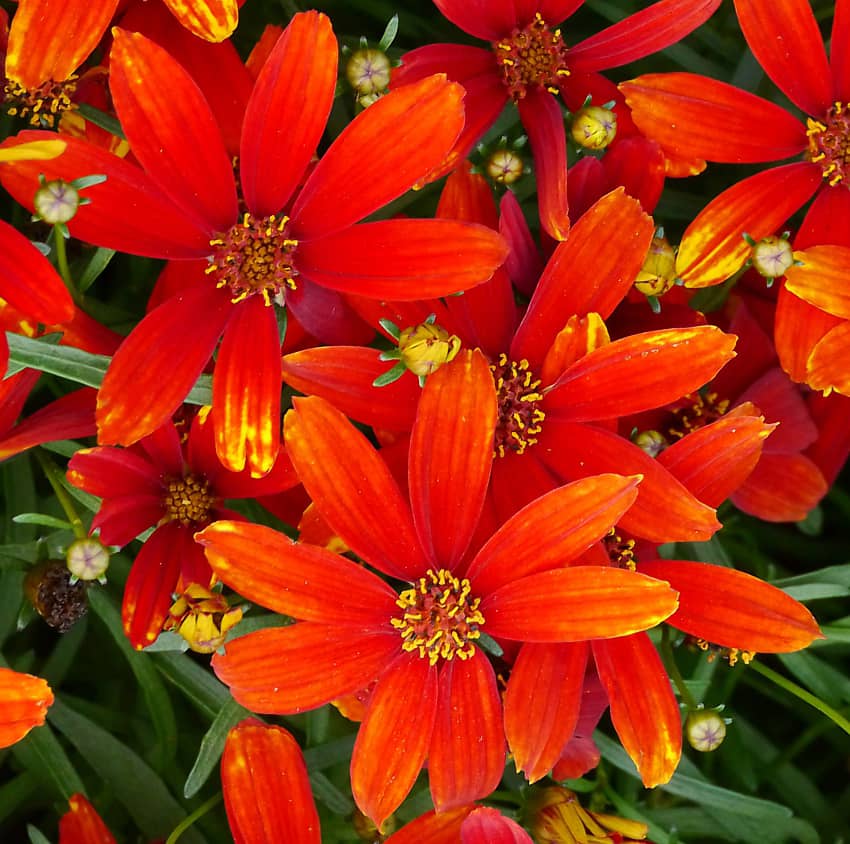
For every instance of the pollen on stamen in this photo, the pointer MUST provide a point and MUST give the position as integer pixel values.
(732, 655)
(42, 106)
(697, 411)
(255, 257)
(517, 395)
(829, 143)
(439, 619)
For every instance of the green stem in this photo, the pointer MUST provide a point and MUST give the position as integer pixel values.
(673, 670)
(798, 691)
(62, 261)
(54, 477)
(190, 819)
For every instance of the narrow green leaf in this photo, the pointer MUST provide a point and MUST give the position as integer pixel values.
(815, 591)
(101, 119)
(332, 753)
(212, 746)
(198, 685)
(98, 262)
(41, 753)
(36, 836)
(820, 678)
(154, 810)
(16, 792)
(325, 791)
(41, 519)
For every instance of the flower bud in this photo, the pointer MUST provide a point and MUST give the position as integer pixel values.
(202, 618)
(57, 600)
(658, 273)
(368, 72)
(705, 729)
(652, 442)
(426, 347)
(772, 256)
(56, 202)
(504, 166)
(87, 559)
(594, 127)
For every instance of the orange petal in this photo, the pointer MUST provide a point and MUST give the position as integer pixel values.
(24, 700)
(552, 530)
(469, 716)
(827, 368)
(451, 452)
(577, 338)
(212, 20)
(267, 793)
(394, 737)
(638, 373)
(819, 277)
(283, 670)
(713, 246)
(442, 828)
(577, 603)
(81, 824)
(489, 826)
(49, 41)
(295, 579)
(798, 328)
(352, 488)
(643, 708)
(542, 704)
(246, 389)
(734, 609)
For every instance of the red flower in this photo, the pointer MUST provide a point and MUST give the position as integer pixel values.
(24, 700)
(81, 824)
(436, 693)
(178, 490)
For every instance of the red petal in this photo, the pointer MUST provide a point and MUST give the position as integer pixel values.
(713, 246)
(643, 709)
(656, 27)
(294, 669)
(394, 737)
(380, 155)
(542, 119)
(267, 793)
(523, 263)
(735, 609)
(489, 826)
(403, 259)
(486, 19)
(81, 824)
(552, 531)
(111, 472)
(352, 488)
(821, 278)
(469, 715)
(798, 328)
(295, 579)
(24, 700)
(172, 131)
(696, 117)
(638, 373)
(542, 704)
(639, 165)
(344, 374)
(212, 20)
(826, 368)
(577, 603)
(121, 520)
(128, 212)
(442, 828)
(839, 53)
(580, 277)
(287, 112)
(451, 451)
(785, 39)
(159, 362)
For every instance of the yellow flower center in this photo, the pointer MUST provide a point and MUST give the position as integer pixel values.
(533, 55)
(188, 500)
(254, 257)
(519, 416)
(439, 619)
(701, 410)
(829, 143)
(42, 106)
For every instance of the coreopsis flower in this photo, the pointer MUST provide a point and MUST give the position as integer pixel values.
(175, 488)
(465, 825)
(81, 824)
(47, 44)
(435, 692)
(266, 791)
(528, 61)
(693, 115)
(288, 239)
(24, 701)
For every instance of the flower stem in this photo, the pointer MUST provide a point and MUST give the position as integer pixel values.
(190, 819)
(62, 261)
(798, 691)
(673, 670)
(54, 477)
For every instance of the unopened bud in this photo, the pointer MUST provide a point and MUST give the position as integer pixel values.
(658, 273)
(87, 559)
(202, 618)
(504, 166)
(57, 600)
(368, 72)
(705, 729)
(594, 127)
(652, 442)
(772, 256)
(56, 202)
(426, 347)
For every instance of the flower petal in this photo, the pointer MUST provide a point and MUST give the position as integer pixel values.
(394, 737)
(287, 112)
(734, 609)
(212, 20)
(156, 366)
(172, 130)
(267, 794)
(442, 828)
(112, 472)
(542, 704)
(403, 259)
(451, 452)
(283, 670)
(820, 278)
(352, 488)
(577, 603)
(713, 246)
(839, 53)
(486, 19)
(489, 826)
(785, 39)
(643, 709)
(296, 579)
(798, 329)
(469, 718)
(81, 824)
(552, 531)
(380, 155)
(24, 700)
(826, 368)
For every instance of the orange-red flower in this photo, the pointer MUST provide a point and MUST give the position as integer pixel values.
(691, 115)
(288, 236)
(436, 693)
(465, 825)
(81, 824)
(175, 488)
(24, 700)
